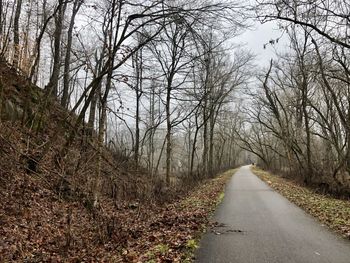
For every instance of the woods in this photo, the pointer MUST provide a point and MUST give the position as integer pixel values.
(139, 73)
(300, 112)
(117, 117)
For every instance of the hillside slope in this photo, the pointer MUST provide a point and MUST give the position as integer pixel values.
(47, 209)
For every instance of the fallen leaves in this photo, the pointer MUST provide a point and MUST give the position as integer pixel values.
(175, 231)
(333, 212)
(46, 205)
(36, 226)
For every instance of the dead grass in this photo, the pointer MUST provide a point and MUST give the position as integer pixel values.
(333, 212)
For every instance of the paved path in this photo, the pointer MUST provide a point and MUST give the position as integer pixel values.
(261, 226)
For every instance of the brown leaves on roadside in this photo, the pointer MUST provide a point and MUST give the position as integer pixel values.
(333, 212)
(172, 234)
(37, 226)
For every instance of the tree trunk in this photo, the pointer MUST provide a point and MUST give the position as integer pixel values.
(308, 176)
(211, 142)
(52, 86)
(205, 144)
(194, 146)
(16, 32)
(151, 149)
(1, 17)
(189, 144)
(94, 100)
(168, 134)
(25, 57)
(101, 132)
(1, 100)
(138, 91)
(66, 74)
(92, 112)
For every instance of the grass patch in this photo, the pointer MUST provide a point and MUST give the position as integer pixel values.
(333, 212)
(221, 197)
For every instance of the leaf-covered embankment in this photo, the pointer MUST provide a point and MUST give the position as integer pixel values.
(175, 231)
(38, 226)
(333, 212)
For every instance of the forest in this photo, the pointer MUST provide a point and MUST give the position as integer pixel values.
(151, 85)
(107, 104)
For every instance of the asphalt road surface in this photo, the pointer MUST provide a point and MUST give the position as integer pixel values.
(257, 225)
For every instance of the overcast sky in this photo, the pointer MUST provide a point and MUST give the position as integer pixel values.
(261, 34)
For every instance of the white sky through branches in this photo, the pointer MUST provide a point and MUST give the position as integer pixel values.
(255, 39)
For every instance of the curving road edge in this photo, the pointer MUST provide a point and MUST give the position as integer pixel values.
(258, 225)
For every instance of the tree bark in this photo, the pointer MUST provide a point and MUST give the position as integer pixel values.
(16, 33)
(138, 91)
(52, 86)
(1, 17)
(66, 75)
(168, 134)
(211, 141)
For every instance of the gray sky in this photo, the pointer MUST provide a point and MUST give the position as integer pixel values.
(255, 39)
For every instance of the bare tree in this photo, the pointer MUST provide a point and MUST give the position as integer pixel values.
(52, 86)
(66, 75)
(328, 19)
